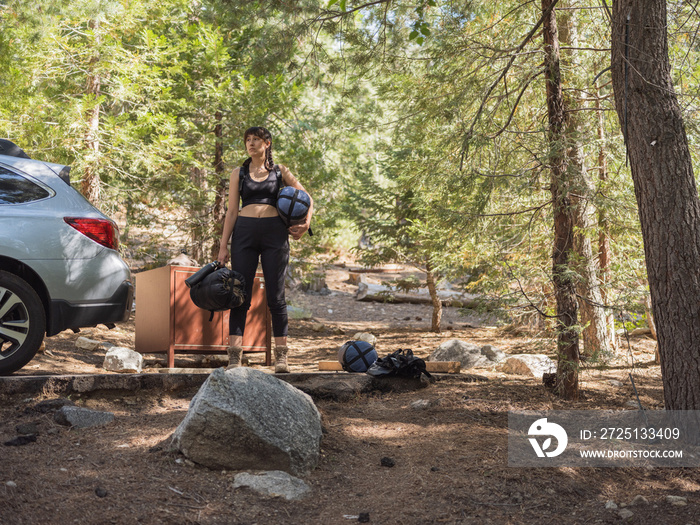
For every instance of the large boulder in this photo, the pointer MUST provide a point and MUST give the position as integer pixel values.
(245, 419)
(468, 354)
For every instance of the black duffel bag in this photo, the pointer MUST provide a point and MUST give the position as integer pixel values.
(216, 288)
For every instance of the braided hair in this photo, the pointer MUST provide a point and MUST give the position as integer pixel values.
(260, 132)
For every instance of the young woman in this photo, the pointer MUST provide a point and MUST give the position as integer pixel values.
(257, 233)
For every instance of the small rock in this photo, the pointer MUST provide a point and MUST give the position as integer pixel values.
(100, 492)
(387, 462)
(610, 505)
(273, 483)
(82, 417)
(677, 501)
(83, 343)
(367, 337)
(363, 517)
(615, 383)
(625, 514)
(20, 440)
(420, 404)
(11, 484)
(639, 500)
(123, 360)
(318, 327)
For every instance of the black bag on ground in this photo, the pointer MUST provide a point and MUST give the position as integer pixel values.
(401, 363)
(216, 289)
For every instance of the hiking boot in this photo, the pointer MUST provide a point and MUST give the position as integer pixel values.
(281, 360)
(234, 356)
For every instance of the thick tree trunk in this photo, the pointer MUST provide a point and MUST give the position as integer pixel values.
(219, 211)
(90, 181)
(667, 197)
(562, 209)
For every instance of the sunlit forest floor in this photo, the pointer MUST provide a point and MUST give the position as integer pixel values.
(450, 456)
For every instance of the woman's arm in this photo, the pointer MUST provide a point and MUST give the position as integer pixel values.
(297, 231)
(230, 218)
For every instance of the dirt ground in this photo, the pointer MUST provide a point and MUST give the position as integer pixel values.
(450, 459)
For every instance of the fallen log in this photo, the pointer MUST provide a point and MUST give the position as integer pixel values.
(368, 292)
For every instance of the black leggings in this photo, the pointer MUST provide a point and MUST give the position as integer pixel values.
(265, 238)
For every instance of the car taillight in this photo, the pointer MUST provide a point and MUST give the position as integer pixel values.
(102, 231)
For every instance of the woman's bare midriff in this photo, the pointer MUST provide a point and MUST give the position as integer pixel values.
(258, 211)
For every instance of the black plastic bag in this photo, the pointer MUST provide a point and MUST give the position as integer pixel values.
(216, 290)
(401, 363)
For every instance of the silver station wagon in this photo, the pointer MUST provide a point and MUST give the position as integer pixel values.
(60, 266)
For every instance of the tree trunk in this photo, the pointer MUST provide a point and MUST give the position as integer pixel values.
(667, 197)
(437, 302)
(604, 227)
(90, 182)
(562, 276)
(592, 315)
(219, 211)
(199, 215)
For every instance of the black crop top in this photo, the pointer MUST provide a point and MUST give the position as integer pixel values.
(264, 192)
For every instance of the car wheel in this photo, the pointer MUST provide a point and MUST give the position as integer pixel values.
(22, 323)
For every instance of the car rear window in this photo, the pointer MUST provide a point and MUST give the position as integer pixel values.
(16, 189)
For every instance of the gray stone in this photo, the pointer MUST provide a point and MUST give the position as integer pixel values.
(469, 355)
(123, 360)
(610, 505)
(318, 327)
(274, 483)
(420, 404)
(83, 343)
(677, 501)
(535, 365)
(246, 419)
(639, 500)
(625, 514)
(82, 417)
(493, 354)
